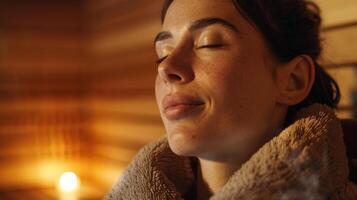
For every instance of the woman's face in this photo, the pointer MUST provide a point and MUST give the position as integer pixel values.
(215, 87)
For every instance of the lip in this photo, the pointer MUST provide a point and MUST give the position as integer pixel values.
(177, 106)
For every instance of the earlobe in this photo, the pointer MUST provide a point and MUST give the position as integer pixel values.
(295, 80)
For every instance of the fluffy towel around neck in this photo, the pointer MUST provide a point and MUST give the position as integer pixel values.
(307, 160)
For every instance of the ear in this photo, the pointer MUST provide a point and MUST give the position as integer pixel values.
(295, 80)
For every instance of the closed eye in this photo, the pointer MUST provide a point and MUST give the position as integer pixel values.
(210, 46)
(160, 60)
(213, 46)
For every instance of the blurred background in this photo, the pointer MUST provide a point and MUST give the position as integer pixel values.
(77, 89)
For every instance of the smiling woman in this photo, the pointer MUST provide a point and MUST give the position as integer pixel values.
(240, 94)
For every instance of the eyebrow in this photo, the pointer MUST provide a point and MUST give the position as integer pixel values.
(199, 24)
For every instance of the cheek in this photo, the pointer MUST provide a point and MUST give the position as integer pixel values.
(240, 84)
(225, 77)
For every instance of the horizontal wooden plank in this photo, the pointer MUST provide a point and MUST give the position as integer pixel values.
(129, 116)
(112, 8)
(104, 22)
(40, 89)
(145, 73)
(347, 81)
(352, 64)
(94, 6)
(125, 39)
(28, 150)
(340, 46)
(12, 131)
(32, 79)
(337, 12)
(65, 107)
(29, 194)
(132, 132)
(347, 112)
(18, 160)
(47, 94)
(128, 142)
(122, 92)
(140, 72)
(24, 31)
(74, 95)
(110, 142)
(44, 66)
(125, 84)
(58, 14)
(76, 90)
(18, 41)
(142, 106)
(339, 26)
(121, 77)
(126, 59)
(116, 153)
(39, 86)
(40, 65)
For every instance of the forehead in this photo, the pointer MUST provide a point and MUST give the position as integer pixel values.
(183, 12)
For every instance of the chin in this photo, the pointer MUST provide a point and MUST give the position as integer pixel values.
(184, 146)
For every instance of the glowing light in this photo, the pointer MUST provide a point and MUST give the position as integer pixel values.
(68, 182)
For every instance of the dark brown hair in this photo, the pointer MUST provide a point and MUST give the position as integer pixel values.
(291, 28)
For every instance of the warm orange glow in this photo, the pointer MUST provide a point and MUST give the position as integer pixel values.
(68, 182)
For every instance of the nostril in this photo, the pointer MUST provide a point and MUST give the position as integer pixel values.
(174, 77)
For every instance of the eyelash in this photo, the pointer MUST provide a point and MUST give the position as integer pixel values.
(161, 59)
(201, 47)
(211, 46)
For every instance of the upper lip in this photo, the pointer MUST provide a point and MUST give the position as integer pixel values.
(172, 100)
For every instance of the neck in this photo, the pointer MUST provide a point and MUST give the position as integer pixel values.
(212, 176)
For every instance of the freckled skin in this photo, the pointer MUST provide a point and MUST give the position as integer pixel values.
(235, 82)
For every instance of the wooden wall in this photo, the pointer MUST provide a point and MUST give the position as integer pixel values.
(42, 120)
(340, 50)
(122, 105)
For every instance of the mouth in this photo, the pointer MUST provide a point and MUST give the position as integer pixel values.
(178, 106)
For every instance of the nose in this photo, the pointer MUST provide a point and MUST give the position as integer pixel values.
(176, 68)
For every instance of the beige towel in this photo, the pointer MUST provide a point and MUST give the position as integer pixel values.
(307, 160)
